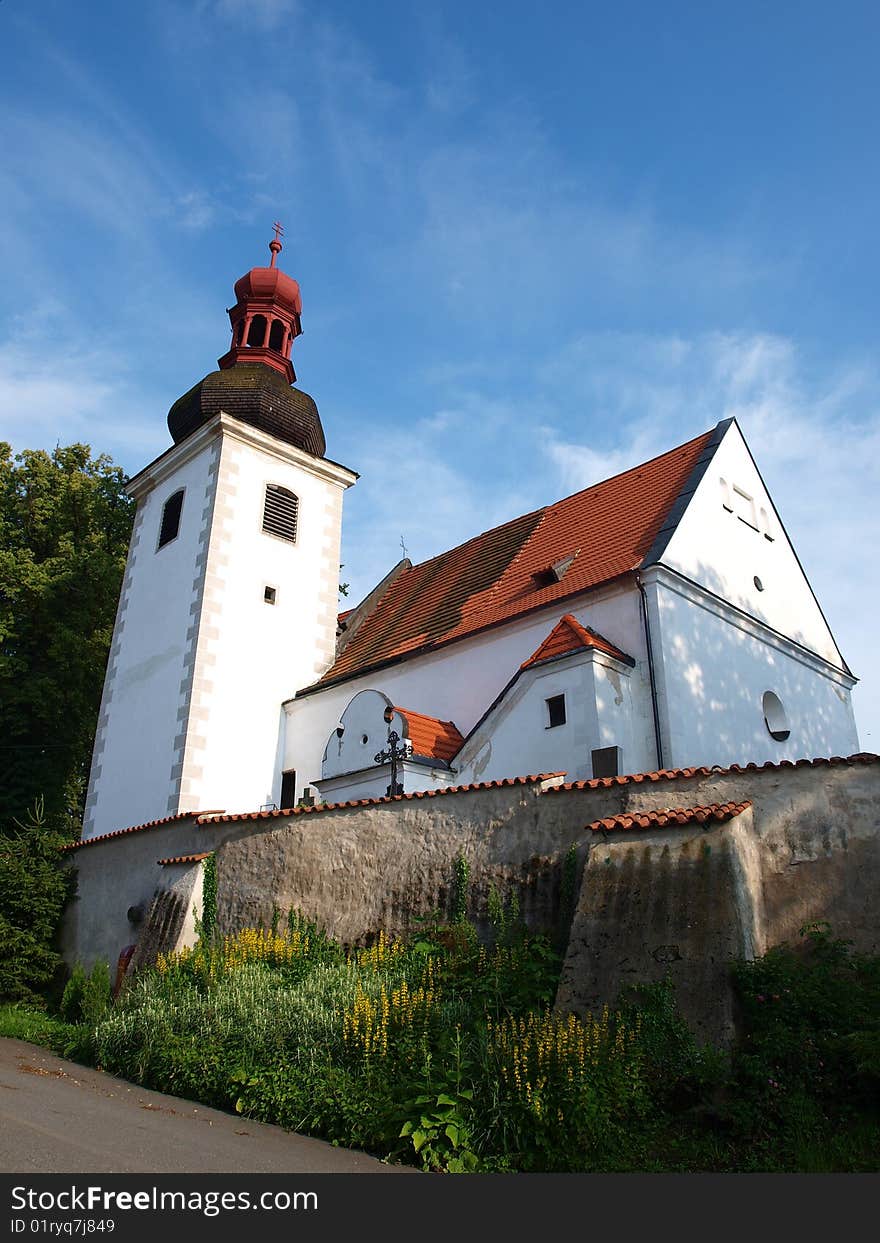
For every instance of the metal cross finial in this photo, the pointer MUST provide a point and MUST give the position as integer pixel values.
(275, 245)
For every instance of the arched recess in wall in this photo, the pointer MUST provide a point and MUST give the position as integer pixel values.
(775, 716)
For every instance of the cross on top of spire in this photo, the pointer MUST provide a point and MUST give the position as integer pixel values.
(275, 244)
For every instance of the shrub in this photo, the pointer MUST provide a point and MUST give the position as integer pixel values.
(812, 1031)
(34, 888)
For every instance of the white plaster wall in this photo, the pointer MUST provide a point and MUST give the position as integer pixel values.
(374, 781)
(192, 716)
(517, 740)
(623, 714)
(252, 649)
(712, 672)
(135, 746)
(715, 548)
(458, 683)
(364, 734)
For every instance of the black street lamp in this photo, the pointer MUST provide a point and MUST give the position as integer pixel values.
(395, 752)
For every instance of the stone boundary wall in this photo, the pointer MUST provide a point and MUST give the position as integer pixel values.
(680, 899)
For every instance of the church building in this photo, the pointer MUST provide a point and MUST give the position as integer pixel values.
(656, 620)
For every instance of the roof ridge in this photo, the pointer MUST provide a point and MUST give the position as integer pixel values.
(426, 716)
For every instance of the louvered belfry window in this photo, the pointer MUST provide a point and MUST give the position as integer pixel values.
(280, 512)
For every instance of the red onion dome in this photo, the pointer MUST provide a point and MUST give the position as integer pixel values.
(269, 283)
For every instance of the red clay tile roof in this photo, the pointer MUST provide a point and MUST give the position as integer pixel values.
(672, 774)
(503, 782)
(714, 813)
(438, 740)
(214, 817)
(609, 528)
(568, 635)
(185, 858)
(135, 828)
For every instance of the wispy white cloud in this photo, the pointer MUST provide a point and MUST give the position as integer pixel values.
(58, 386)
(816, 440)
(263, 14)
(195, 210)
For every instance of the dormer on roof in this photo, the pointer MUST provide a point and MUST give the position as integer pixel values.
(556, 572)
(568, 635)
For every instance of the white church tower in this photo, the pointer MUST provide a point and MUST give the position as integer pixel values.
(231, 585)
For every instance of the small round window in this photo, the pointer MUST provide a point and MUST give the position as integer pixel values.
(758, 583)
(775, 717)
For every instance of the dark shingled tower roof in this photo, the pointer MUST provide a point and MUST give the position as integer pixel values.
(257, 395)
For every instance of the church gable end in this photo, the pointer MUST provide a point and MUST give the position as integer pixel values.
(730, 540)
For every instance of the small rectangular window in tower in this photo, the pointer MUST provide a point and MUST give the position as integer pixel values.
(269, 594)
(280, 512)
(606, 762)
(288, 788)
(555, 711)
(170, 524)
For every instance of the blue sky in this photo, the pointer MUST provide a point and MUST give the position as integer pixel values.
(536, 244)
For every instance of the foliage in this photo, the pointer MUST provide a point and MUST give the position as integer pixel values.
(209, 898)
(460, 881)
(568, 892)
(810, 1055)
(33, 891)
(504, 917)
(448, 1054)
(65, 522)
(440, 1138)
(441, 1051)
(87, 995)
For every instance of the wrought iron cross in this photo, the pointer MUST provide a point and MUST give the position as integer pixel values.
(394, 753)
(279, 230)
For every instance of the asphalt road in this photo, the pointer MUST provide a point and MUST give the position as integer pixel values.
(60, 1118)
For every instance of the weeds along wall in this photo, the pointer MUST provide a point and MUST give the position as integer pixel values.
(646, 901)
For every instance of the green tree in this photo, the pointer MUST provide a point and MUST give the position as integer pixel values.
(33, 890)
(65, 522)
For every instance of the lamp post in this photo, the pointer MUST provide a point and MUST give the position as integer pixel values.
(394, 752)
